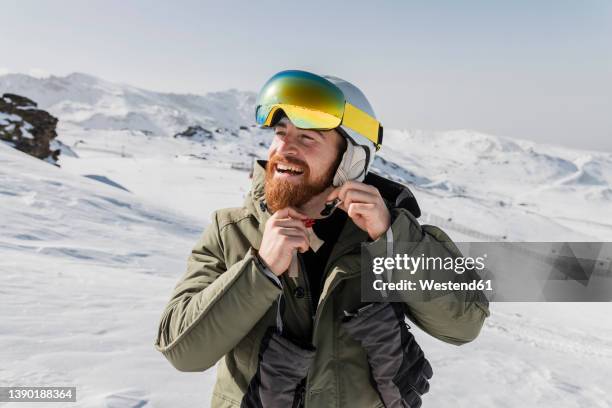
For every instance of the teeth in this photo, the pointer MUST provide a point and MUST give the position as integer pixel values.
(283, 167)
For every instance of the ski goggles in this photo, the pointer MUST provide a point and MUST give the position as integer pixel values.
(313, 102)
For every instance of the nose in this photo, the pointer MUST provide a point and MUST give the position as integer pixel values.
(287, 145)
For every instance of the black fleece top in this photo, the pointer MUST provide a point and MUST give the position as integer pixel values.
(328, 229)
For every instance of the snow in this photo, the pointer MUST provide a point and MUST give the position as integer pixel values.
(98, 104)
(8, 121)
(6, 118)
(25, 133)
(86, 267)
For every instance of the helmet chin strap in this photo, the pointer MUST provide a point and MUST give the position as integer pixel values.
(353, 165)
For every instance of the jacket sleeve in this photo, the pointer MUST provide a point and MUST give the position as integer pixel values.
(214, 305)
(456, 316)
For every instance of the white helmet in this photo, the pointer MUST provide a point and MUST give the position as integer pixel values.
(311, 101)
(360, 150)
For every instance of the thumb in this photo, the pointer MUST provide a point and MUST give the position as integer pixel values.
(335, 193)
(293, 213)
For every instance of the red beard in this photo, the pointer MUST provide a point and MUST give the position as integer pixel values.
(282, 193)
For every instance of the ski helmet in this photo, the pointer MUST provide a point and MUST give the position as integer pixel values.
(360, 151)
(318, 102)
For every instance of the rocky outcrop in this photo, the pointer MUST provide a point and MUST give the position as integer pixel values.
(196, 132)
(28, 128)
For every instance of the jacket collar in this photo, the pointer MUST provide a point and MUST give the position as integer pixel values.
(255, 202)
(396, 195)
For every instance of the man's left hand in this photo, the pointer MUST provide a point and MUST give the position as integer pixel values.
(364, 204)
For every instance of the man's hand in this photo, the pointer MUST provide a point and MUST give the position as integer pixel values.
(364, 204)
(284, 232)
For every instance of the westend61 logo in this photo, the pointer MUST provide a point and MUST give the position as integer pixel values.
(427, 263)
(500, 271)
(434, 273)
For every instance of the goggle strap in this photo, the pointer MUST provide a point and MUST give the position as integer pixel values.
(363, 123)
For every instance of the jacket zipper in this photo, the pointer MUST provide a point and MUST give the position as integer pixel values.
(314, 326)
(315, 308)
(322, 301)
(317, 315)
(311, 306)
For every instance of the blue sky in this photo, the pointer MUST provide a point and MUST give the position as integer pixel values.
(539, 70)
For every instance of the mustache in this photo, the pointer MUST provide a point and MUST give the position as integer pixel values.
(288, 159)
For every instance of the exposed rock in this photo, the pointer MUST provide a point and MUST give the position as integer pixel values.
(27, 128)
(196, 132)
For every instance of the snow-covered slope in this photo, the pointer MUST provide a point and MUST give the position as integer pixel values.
(97, 104)
(84, 271)
(528, 191)
(86, 266)
(470, 182)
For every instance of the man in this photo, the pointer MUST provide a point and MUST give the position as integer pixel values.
(273, 288)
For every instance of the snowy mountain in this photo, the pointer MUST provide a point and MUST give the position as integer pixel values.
(89, 252)
(97, 104)
(549, 192)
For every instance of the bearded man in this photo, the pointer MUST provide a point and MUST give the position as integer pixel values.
(272, 288)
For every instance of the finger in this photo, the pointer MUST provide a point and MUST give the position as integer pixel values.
(293, 213)
(292, 232)
(290, 223)
(359, 196)
(356, 185)
(335, 193)
(298, 243)
(354, 196)
(289, 212)
(360, 209)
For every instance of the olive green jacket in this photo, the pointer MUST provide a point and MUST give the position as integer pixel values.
(223, 304)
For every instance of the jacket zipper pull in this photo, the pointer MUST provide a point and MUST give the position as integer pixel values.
(359, 311)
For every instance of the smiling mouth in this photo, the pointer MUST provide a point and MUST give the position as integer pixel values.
(289, 169)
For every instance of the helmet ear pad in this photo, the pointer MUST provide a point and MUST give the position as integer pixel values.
(353, 164)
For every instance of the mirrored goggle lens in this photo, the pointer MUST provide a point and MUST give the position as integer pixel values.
(309, 100)
(301, 117)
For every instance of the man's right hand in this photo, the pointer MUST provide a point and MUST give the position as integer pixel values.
(284, 232)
